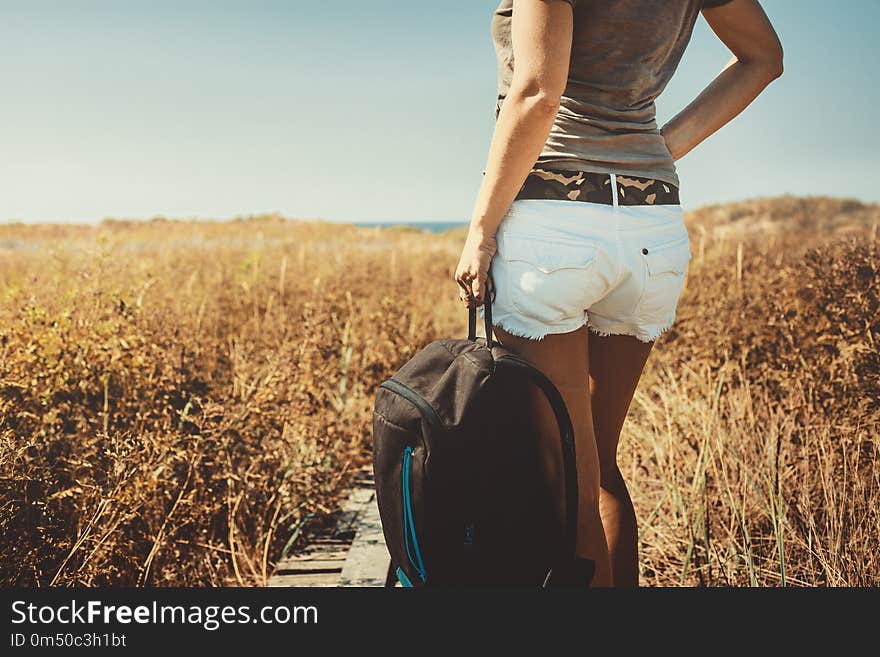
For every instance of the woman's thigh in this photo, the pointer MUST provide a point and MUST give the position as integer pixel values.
(564, 359)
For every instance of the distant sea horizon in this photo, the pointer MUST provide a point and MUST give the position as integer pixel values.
(430, 226)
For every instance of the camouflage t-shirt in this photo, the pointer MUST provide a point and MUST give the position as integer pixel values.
(623, 54)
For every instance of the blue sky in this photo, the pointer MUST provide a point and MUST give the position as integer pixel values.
(357, 111)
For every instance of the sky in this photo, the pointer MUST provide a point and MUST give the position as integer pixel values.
(365, 111)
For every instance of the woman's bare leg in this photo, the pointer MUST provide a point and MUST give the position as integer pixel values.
(616, 364)
(564, 359)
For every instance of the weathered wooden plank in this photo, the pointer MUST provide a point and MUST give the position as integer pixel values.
(351, 552)
(305, 579)
(327, 541)
(317, 555)
(368, 560)
(312, 566)
(349, 518)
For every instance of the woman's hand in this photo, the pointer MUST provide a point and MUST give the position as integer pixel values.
(473, 267)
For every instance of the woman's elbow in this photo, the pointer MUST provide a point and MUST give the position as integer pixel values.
(767, 65)
(764, 58)
(771, 62)
(538, 94)
(774, 65)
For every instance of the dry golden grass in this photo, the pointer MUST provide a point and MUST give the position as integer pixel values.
(181, 402)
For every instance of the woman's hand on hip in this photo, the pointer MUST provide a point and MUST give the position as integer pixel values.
(473, 267)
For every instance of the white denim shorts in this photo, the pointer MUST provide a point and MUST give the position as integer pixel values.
(619, 269)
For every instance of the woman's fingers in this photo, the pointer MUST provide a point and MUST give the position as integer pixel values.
(464, 289)
(472, 289)
(477, 288)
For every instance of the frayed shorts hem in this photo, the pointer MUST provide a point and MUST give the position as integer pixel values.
(534, 330)
(641, 333)
(514, 325)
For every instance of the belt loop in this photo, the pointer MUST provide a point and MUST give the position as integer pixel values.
(614, 189)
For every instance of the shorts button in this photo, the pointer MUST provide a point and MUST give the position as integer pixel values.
(645, 251)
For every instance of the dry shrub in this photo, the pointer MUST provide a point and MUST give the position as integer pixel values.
(178, 400)
(181, 402)
(753, 437)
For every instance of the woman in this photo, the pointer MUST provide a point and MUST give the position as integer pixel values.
(579, 216)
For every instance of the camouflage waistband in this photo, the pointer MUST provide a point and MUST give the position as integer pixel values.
(596, 188)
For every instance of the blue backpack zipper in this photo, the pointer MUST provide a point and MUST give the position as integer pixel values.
(411, 540)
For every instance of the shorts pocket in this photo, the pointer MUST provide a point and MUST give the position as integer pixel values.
(671, 257)
(548, 279)
(665, 266)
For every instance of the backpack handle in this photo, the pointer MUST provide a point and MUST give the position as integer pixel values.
(487, 316)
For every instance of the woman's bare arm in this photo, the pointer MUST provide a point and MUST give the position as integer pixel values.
(541, 34)
(757, 60)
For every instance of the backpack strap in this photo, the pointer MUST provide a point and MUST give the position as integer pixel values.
(566, 436)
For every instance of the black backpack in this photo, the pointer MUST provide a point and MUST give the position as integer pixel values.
(462, 496)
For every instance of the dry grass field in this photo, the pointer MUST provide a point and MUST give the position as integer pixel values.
(181, 403)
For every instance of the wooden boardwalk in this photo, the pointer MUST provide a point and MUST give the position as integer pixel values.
(351, 552)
